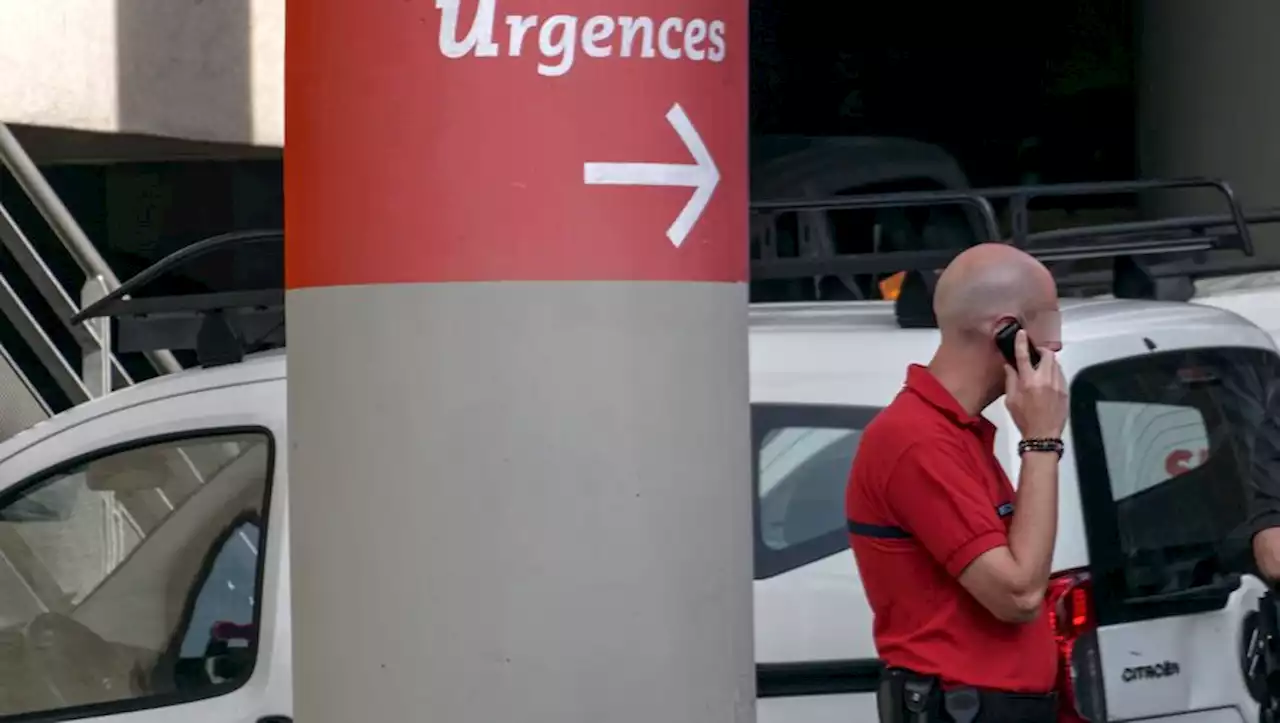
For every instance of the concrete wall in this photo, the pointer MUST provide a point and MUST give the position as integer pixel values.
(1209, 102)
(206, 70)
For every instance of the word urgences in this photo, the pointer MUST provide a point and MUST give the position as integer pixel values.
(558, 37)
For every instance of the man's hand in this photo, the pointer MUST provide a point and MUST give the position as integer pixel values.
(1036, 396)
(1266, 552)
(1010, 580)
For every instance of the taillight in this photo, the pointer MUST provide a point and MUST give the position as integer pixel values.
(1069, 603)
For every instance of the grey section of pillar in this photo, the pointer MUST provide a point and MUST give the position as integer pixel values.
(1209, 102)
(521, 502)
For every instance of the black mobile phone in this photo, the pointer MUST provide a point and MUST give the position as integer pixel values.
(1006, 341)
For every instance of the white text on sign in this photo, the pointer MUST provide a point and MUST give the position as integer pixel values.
(559, 37)
(702, 175)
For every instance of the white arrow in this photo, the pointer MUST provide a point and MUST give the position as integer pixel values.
(702, 175)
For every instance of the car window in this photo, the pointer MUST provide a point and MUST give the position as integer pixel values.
(214, 641)
(802, 481)
(127, 563)
(1163, 444)
(802, 459)
(1148, 444)
(226, 595)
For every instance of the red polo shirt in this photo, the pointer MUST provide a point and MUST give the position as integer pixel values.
(926, 497)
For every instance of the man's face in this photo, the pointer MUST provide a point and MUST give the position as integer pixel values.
(1042, 318)
(1044, 327)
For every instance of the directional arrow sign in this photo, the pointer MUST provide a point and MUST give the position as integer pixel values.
(702, 175)
(511, 195)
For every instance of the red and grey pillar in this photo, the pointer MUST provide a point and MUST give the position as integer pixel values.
(520, 445)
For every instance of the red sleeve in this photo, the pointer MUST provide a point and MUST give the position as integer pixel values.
(944, 504)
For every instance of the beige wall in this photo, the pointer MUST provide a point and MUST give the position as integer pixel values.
(208, 70)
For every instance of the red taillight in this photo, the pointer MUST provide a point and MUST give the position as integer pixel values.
(1069, 604)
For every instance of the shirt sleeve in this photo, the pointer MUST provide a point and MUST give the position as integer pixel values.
(944, 504)
(1263, 491)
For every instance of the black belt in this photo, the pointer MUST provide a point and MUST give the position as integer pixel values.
(908, 697)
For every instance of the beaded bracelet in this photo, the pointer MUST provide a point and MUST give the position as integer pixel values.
(1041, 444)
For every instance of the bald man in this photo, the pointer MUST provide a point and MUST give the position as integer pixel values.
(955, 564)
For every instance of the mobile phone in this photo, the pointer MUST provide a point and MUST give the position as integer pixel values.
(1006, 341)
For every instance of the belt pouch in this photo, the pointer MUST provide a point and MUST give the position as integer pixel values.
(962, 704)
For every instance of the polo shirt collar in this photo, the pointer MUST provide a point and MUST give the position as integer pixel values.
(926, 386)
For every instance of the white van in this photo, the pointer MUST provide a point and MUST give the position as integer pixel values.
(1254, 296)
(1151, 605)
(143, 536)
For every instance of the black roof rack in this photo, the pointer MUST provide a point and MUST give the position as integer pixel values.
(220, 327)
(1129, 245)
(1178, 269)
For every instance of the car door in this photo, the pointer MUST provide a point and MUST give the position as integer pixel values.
(815, 658)
(1164, 444)
(142, 563)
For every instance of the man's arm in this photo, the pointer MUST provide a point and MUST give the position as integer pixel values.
(1263, 488)
(1010, 580)
(1266, 552)
(946, 507)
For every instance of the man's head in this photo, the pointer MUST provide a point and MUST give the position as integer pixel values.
(984, 288)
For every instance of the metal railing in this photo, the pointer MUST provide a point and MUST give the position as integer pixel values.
(100, 370)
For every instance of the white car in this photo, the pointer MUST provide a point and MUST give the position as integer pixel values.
(144, 571)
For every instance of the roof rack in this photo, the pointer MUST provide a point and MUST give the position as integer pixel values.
(1179, 269)
(1130, 245)
(220, 327)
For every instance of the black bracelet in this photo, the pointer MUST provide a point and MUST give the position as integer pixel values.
(1041, 444)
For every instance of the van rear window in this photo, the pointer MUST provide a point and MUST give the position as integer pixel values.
(1163, 445)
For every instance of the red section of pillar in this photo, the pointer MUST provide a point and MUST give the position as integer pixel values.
(477, 140)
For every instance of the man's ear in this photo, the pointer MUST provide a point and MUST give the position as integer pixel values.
(1001, 322)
